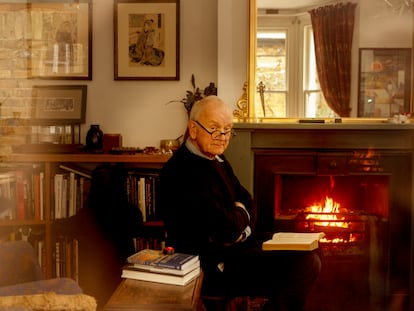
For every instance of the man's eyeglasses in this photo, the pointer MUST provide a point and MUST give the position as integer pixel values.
(216, 134)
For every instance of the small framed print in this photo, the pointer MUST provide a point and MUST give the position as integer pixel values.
(146, 39)
(384, 82)
(59, 104)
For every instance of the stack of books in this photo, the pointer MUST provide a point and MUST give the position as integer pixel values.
(154, 266)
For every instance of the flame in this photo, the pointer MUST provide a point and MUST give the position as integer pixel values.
(328, 214)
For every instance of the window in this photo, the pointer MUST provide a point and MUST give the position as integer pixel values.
(287, 83)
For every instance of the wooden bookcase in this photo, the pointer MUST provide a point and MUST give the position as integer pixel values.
(49, 164)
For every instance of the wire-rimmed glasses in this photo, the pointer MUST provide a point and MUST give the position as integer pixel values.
(216, 134)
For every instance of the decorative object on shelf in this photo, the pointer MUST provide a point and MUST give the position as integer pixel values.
(242, 105)
(168, 146)
(195, 94)
(146, 39)
(111, 141)
(94, 139)
(126, 150)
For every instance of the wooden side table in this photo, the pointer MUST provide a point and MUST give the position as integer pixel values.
(134, 295)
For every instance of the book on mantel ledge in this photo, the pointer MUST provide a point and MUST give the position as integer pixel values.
(298, 241)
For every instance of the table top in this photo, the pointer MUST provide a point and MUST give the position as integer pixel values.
(142, 295)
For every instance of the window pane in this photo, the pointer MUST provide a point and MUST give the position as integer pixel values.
(271, 73)
(316, 106)
(275, 105)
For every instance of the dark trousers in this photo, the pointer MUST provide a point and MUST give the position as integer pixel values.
(285, 277)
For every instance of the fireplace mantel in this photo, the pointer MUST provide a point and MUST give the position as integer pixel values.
(255, 139)
(319, 136)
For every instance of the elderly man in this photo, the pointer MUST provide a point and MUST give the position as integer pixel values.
(208, 212)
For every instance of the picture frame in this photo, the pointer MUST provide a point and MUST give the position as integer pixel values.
(59, 104)
(55, 35)
(146, 39)
(384, 82)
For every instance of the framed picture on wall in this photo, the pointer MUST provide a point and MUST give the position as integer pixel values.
(146, 39)
(59, 104)
(55, 37)
(384, 82)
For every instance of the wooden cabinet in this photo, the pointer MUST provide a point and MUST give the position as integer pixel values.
(49, 165)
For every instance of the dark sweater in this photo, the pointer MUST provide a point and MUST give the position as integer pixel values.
(198, 200)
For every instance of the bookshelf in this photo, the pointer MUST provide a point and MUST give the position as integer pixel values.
(41, 226)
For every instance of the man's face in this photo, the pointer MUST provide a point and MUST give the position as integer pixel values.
(217, 120)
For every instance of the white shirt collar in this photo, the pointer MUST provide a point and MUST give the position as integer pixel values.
(193, 149)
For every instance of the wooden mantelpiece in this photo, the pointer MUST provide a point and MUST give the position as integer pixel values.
(327, 136)
(316, 141)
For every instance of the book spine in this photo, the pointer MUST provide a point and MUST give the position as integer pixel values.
(42, 195)
(20, 194)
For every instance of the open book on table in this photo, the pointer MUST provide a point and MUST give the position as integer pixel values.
(300, 241)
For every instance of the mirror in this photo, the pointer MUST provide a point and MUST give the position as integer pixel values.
(278, 28)
(289, 97)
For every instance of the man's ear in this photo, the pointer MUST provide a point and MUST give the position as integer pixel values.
(192, 129)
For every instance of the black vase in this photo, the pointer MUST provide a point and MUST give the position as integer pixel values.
(94, 139)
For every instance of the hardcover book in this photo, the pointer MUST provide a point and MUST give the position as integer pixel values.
(156, 258)
(162, 270)
(303, 241)
(160, 277)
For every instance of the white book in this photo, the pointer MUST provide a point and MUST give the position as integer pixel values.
(64, 198)
(42, 189)
(58, 181)
(72, 194)
(141, 198)
(300, 241)
(161, 278)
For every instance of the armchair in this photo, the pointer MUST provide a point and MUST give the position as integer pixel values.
(22, 284)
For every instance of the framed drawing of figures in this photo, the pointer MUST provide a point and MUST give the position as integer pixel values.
(146, 39)
(384, 82)
(54, 36)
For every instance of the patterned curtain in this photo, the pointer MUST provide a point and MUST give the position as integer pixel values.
(333, 28)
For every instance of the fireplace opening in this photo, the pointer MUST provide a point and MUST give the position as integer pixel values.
(360, 205)
(353, 213)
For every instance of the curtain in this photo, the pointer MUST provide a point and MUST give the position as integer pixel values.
(333, 28)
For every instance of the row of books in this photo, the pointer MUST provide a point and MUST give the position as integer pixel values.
(22, 192)
(152, 242)
(155, 266)
(70, 190)
(66, 258)
(141, 189)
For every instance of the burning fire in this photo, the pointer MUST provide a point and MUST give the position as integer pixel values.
(327, 214)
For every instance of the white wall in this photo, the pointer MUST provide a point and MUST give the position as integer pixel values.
(137, 109)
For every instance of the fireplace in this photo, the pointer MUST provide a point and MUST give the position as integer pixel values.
(358, 193)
